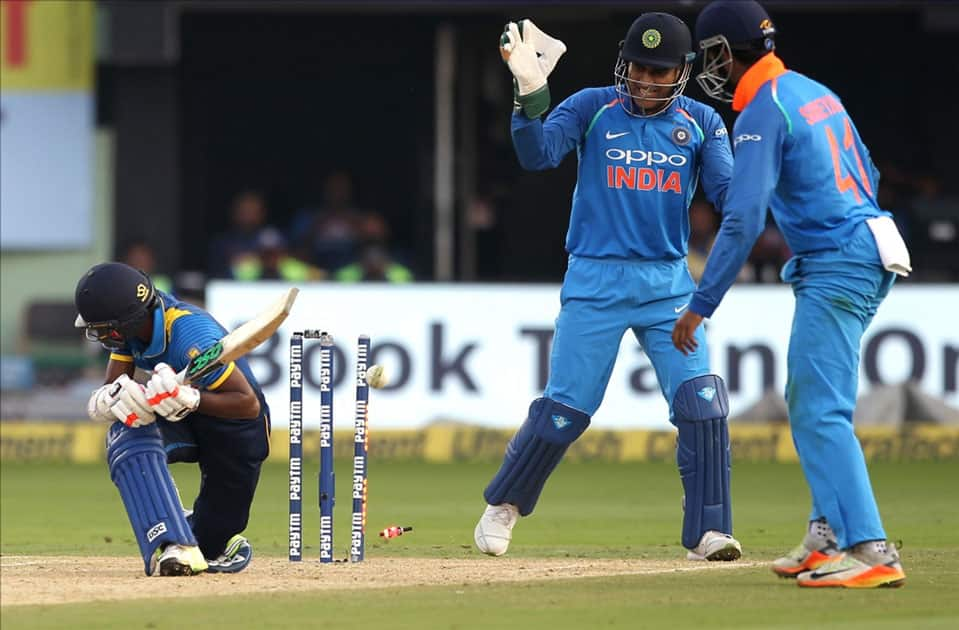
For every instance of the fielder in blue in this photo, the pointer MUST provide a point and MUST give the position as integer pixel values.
(221, 423)
(798, 152)
(642, 148)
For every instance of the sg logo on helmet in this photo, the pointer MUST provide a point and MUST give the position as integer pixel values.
(649, 158)
(142, 292)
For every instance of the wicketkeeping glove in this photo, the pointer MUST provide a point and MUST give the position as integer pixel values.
(168, 397)
(531, 56)
(130, 405)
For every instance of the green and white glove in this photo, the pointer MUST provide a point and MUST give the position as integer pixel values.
(531, 56)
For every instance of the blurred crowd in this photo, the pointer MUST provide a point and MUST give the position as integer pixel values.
(334, 241)
(338, 241)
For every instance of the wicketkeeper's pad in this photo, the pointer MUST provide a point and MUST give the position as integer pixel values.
(534, 452)
(700, 408)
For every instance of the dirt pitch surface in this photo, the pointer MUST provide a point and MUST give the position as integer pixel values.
(28, 580)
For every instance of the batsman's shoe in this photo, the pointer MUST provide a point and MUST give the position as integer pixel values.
(817, 547)
(716, 546)
(870, 564)
(234, 558)
(495, 528)
(181, 560)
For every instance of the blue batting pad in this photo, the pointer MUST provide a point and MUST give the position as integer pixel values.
(700, 408)
(138, 467)
(534, 452)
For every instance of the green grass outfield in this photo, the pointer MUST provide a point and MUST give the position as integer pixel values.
(596, 510)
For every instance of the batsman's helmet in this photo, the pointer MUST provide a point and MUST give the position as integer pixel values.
(113, 301)
(657, 40)
(725, 27)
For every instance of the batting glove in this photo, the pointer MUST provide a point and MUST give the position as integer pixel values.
(130, 405)
(100, 403)
(168, 397)
(531, 56)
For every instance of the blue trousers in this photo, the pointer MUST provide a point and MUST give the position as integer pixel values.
(837, 294)
(601, 300)
(230, 453)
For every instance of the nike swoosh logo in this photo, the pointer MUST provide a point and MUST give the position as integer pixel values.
(818, 574)
(681, 308)
(613, 136)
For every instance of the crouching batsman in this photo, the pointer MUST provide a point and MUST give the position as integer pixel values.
(642, 148)
(221, 423)
(799, 154)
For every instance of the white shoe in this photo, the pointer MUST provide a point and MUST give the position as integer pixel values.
(716, 546)
(818, 547)
(181, 560)
(234, 558)
(867, 565)
(495, 528)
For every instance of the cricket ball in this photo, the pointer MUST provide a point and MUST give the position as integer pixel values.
(376, 376)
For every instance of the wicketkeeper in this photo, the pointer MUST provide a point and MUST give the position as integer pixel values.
(222, 423)
(642, 148)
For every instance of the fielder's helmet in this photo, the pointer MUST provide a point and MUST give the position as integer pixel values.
(724, 27)
(657, 40)
(113, 301)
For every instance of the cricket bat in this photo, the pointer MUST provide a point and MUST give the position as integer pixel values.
(237, 343)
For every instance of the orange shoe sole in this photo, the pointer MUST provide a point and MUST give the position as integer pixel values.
(815, 560)
(876, 577)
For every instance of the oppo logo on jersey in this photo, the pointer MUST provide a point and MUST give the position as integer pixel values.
(649, 158)
(746, 137)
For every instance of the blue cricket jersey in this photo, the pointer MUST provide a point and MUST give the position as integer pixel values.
(180, 332)
(636, 176)
(798, 153)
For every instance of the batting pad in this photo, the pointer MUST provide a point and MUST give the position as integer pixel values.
(534, 452)
(700, 408)
(138, 468)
